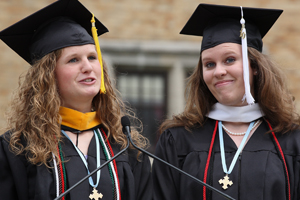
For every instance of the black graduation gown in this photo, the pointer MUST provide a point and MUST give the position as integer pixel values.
(258, 173)
(20, 180)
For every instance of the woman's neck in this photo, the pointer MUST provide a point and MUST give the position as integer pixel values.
(84, 108)
(82, 140)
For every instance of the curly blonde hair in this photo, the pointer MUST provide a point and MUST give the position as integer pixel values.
(34, 119)
(270, 89)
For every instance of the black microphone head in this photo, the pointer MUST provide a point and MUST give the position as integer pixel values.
(125, 121)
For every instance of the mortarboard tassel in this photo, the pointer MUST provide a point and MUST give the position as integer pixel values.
(95, 36)
(248, 96)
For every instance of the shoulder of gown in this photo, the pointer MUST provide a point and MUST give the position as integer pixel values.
(13, 178)
(18, 176)
(290, 142)
(186, 141)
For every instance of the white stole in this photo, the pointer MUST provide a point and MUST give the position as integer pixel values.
(247, 113)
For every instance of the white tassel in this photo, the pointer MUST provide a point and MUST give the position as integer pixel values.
(248, 96)
(56, 174)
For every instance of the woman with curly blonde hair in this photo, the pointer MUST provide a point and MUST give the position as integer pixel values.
(239, 131)
(65, 119)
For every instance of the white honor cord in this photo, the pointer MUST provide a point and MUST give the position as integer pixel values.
(84, 160)
(238, 151)
(112, 166)
(56, 175)
(250, 100)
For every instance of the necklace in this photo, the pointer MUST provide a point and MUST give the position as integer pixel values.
(243, 133)
(95, 195)
(225, 181)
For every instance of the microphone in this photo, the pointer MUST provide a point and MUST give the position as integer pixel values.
(126, 129)
(126, 126)
(93, 172)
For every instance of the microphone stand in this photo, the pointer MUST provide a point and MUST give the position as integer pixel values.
(157, 158)
(126, 130)
(93, 172)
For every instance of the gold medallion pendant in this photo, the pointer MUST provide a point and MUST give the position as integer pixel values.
(225, 181)
(95, 195)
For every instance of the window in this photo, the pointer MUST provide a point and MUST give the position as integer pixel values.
(146, 94)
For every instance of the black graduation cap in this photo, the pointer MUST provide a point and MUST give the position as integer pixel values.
(61, 24)
(219, 24)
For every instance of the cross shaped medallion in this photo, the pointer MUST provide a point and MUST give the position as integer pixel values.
(95, 195)
(225, 181)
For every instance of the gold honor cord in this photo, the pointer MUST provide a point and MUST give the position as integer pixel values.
(95, 37)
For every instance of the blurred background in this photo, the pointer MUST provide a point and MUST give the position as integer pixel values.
(149, 60)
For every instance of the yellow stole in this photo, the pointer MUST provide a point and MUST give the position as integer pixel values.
(78, 120)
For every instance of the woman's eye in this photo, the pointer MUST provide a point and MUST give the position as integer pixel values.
(210, 64)
(72, 60)
(92, 57)
(230, 60)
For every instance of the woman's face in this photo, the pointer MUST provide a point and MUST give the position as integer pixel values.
(222, 68)
(78, 74)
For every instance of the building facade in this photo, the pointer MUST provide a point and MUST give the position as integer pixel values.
(148, 59)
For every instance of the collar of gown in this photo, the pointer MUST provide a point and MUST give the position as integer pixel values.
(78, 120)
(247, 113)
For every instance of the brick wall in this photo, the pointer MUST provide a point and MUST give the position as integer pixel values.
(153, 20)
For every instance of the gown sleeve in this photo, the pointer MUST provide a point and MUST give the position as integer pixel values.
(141, 170)
(13, 181)
(166, 179)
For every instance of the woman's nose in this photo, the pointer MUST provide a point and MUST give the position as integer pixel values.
(220, 70)
(86, 66)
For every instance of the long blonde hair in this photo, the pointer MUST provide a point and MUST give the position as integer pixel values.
(271, 93)
(34, 120)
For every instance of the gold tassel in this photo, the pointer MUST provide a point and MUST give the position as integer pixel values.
(95, 37)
